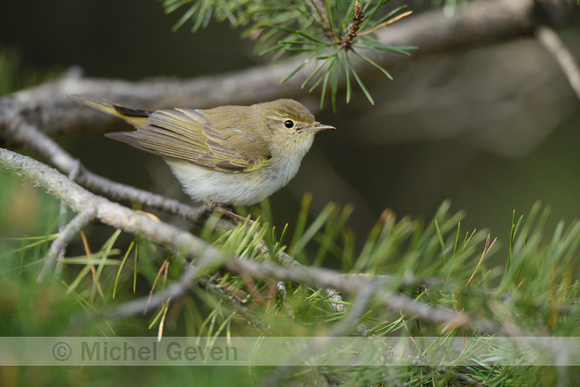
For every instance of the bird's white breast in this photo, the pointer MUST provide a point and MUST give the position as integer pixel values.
(246, 188)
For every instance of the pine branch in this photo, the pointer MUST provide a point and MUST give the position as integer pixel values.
(30, 137)
(551, 263)
(478, 23)
(209, 258)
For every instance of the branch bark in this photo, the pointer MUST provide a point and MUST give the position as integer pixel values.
(209, 258)
(59, 244)
(28, 136)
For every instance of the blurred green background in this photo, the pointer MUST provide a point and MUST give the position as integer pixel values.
(493, 129)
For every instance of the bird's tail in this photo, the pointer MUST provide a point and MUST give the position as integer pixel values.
(136, 117)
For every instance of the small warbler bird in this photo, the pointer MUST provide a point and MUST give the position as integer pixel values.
(226, 155)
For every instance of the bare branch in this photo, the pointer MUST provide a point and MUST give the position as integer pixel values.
(174, 291)
(209, 258)
(107, 212)
(358, 308)
(237, 305)
(59, 244)
(552, 42)
(340, 329)
(28, 136)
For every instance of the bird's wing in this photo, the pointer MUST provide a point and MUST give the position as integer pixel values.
(216, 143)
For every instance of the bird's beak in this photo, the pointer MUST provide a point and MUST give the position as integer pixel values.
(318, 127)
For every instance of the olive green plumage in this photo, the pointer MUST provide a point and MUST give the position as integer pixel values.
(224, 155)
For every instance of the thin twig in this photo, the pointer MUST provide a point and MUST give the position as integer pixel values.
(439, 316)
(462, 378)
(337, 331)
(236, 304)
(59, 244)
(175, 290)
(29, 136)
(357, 309)
(552, 42)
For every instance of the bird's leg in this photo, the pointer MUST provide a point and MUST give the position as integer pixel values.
(228, 211)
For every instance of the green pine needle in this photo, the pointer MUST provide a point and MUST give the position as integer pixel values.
(303, 31)
(537, 292)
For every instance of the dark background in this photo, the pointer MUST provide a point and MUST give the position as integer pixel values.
(493, 129)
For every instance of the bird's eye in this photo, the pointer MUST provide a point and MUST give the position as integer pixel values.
(289, 124)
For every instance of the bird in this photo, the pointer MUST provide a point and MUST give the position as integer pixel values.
(227, 155)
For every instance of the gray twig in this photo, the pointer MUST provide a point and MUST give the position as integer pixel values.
(238, 306)
(174, 291)
(190, 276)
(58, 246)
(552, 42)
(340, 329)
(28, 136)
